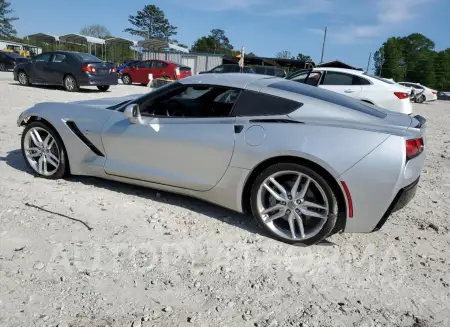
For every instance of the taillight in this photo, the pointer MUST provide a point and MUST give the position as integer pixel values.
(434, 92)
(414, 147)
(401, 95)
(88, 68)
(114, 69)
(177, 71)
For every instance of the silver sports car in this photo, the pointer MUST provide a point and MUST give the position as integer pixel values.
(305, 162)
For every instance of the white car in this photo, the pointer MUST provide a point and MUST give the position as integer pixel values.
(427, 95)
(359, 85)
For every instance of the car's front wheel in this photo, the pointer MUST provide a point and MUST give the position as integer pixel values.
(103, 88)
(23, 78)
(2, 67)
(294, 204)
(43, 151)
(70, 84)
(126, 79)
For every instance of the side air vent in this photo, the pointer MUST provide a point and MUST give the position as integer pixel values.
(74, 128)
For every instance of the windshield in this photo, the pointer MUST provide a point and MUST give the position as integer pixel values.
(87, 57)
(380, 79)
(14, 55)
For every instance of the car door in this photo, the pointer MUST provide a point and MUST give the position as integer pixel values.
(139, 73)
(39, 68)
(342, 83)
(187, 152)
(159, 69)
(57, 68)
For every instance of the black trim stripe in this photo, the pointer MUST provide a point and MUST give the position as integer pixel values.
(74, 128)
(276, 120)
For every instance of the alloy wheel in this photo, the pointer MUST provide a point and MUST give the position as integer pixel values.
(70, 83)
(126, 79)
(2, 67)
(23, 78)
(41, 151)
(292, 205)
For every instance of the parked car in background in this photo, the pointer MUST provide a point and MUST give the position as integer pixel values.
(443, 95)
(8, 60)
(127, 64)
(68, 69)
(229, 68)
(427, 93)
(234, 68)
(358, 85)
(138, 72)
(251, 143)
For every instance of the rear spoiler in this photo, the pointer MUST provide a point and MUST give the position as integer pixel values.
(421, 121)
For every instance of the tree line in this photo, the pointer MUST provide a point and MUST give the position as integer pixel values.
(414, 59)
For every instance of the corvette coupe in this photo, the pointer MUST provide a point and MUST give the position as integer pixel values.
(304, 161)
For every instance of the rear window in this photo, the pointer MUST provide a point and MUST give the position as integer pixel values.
(380, 79)
(86, 57)
(328, 96)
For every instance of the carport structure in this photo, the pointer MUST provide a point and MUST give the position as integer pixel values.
(156, 45)
(88, 41)
(40, 38)
(118, 43)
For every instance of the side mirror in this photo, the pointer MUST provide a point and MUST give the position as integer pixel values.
(132, 113)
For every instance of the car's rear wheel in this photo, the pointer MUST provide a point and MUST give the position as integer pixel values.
(70, 84)
(126, 79)
(43, 151)
(294, 204)
(23, 78)
(2, 67)
(103, 88)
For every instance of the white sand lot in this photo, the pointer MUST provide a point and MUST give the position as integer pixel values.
(174, 261)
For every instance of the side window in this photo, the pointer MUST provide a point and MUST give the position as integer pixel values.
(193, 102)
(360, 81)
(219, 69)
(58, 57)
(335, 78)
(159, 64)
(43, 57)
(312, 78)
(252, 103)
(143, 64)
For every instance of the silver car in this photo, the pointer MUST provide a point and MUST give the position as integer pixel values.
(305, 162)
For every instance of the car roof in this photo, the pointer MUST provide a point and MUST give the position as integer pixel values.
(238, 80)
(342, 70)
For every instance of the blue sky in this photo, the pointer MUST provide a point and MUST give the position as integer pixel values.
(265, 27)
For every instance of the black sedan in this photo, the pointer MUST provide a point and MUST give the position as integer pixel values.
(69, 69)
(8, 60)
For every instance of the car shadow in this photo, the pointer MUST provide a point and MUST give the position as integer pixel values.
(15, 160)
(60, 88)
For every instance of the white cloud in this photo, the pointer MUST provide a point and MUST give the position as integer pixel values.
(389, 14)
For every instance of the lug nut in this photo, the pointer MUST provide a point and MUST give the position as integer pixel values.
(283, 203)
(288, 211)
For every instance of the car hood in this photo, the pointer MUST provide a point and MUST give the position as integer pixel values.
(104, 103)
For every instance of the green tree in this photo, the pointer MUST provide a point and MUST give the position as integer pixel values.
(302, 57)
(285, 55)
(6, 28)
(95, 30)
(215, 42)
(151, 22)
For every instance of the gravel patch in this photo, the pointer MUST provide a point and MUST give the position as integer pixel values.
(158, 259)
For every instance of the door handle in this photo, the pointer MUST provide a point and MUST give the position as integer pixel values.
(349, 91)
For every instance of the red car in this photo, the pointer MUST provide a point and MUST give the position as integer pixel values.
(138, 73)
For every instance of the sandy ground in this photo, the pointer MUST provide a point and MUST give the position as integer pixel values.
(157, 259)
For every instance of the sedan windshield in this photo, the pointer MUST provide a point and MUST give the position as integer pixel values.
(14, 55)
(86, 57)
(380, 78)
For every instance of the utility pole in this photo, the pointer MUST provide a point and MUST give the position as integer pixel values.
(368, 63)
(323, 45)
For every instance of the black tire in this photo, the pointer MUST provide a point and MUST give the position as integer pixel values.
(2, 67)
(126, 79)
(71, 84)
(103, 88)
(23, 78)
(329, 225)
(63, 168)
